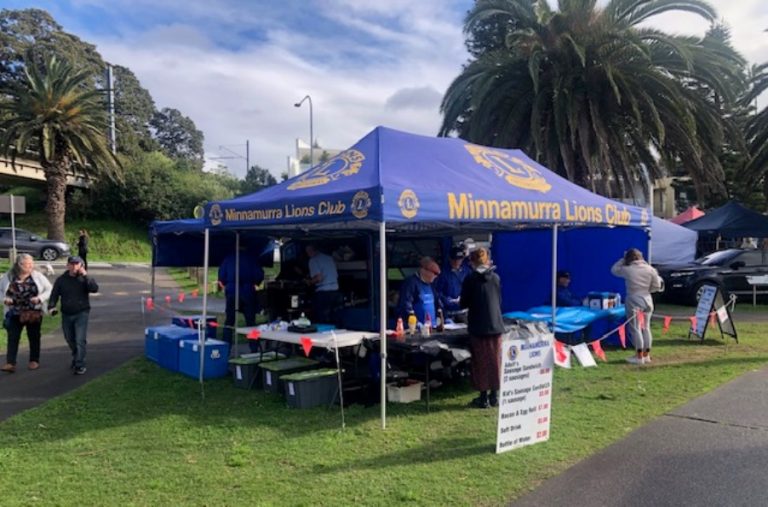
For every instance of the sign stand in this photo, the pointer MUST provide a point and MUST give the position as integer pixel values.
(711, 300)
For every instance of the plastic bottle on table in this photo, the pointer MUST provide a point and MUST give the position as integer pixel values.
(399, 331)
(412, 323)
(440, 321)
(618, 299)
(427, 329)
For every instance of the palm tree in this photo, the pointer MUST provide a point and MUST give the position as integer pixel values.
(594, 96)
(56, 114)
(756, 127)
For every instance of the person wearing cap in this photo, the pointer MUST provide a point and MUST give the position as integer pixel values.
(417, 295)
(448, 284)
(564, 296)
(73, 288)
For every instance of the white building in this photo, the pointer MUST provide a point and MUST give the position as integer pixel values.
(299, 162)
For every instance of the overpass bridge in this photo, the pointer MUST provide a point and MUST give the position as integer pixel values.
(26, 172)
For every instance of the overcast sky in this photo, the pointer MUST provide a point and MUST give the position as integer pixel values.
(236, 67)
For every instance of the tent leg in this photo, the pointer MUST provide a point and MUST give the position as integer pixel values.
(233, 353)
(554, 276)
(383, 319)
(204, 316)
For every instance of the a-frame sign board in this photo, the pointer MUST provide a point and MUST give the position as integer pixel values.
(711, 300)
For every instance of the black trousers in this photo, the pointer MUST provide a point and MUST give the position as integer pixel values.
(325, 306)
(14, 337)
(249, 306)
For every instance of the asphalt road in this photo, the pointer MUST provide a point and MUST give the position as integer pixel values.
(115, 335)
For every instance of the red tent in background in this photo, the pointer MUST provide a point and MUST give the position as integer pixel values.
(691, 213)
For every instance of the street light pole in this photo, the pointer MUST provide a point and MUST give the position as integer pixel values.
(311, 133)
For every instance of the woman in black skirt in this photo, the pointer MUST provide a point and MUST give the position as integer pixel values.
(481, 295)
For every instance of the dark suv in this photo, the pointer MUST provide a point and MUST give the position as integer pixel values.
(728, 269)
(37, 247)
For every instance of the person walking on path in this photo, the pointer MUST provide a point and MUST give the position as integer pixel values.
(74, 287)
(25, 291)
(481, 295)
(82, 246)
(641, 280)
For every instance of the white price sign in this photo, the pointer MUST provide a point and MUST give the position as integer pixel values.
(525, 397)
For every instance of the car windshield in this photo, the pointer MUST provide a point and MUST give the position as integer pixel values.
(716, 258)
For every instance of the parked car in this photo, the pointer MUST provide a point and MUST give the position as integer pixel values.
(36, 246)
(727, 269)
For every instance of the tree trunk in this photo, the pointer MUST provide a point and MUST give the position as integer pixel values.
(56, 206)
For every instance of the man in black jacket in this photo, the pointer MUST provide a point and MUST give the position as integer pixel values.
(73, 287)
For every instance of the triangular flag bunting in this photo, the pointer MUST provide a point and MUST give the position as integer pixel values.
(693, 322)
(667, 322)
(623, 336)
(181, 297)
(150, 304)
(306, 343)
(562, 355)
(253, 334)
(712, 319)
(167, 300)
(195, 292)
(213, 323)
(599, 352)
(191, 323)
(641, 319)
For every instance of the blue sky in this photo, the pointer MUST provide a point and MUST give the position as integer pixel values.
(236, 67)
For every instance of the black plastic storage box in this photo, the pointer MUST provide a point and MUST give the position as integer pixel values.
(273, 370)
(312, 388)
(245, 369)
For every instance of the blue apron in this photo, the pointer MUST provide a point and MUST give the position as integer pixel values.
(426, 303)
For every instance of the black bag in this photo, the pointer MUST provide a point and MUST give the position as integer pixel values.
(7, 320)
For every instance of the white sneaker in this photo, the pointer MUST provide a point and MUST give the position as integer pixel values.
(635, 360)
(647, 359)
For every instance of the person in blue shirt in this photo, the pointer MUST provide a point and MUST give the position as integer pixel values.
(564, 295)
(417, 295)
(251, 275)
(325, 279)
(448, 284)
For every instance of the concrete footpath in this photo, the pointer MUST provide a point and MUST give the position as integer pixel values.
(712, 451)
(115, 335)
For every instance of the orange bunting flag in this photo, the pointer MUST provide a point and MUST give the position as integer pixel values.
(150, 304)
(167, 300)
(667, 322)
(213, 323)
(191, 323)
(712, 320)
(623, 336)
(181, 297)
(306, 343)
(562, 355)
(641, 319)
(599, 352)
(253, 334)
(693, 322)
(195, 292)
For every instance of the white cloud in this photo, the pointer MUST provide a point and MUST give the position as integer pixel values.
(365, 70)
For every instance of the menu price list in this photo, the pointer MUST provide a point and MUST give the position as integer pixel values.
(525, 397)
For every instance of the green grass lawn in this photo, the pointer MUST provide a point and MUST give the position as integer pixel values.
(143, 436)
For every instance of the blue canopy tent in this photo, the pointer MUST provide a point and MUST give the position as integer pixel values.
(396, 182)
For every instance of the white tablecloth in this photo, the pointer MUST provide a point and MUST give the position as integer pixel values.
(344, 337)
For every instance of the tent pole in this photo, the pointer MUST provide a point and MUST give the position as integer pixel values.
(204, 317)
(233, 353)
(383, 319)
(554, 276)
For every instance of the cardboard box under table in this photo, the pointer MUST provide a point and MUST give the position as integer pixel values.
(246, 368)
(311, 388)
(192, 321)
(273, 370)
(215, 360)
(161, 344)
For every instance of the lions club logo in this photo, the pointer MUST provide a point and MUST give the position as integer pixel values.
(511, 169)
(215, 214)
(345, 163)
(409, 203)
(512, 353)
(361, 202)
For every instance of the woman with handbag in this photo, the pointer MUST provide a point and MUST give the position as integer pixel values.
(25, 291)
